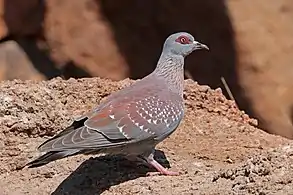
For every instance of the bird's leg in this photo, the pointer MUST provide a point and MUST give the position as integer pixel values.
(137, 160)
(161, 170)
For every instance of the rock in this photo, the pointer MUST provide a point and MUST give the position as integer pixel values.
(265, 46)
(14, 63)
(86, 38)
(20, 18)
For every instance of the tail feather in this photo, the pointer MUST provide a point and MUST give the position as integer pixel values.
(51, 156)
(75, 125)
(75, 139)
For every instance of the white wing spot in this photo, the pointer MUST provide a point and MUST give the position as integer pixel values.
(140, 114)
(123, 133)
(148, 131)
(112, 116)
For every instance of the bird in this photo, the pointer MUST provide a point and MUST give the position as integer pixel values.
(132, 121)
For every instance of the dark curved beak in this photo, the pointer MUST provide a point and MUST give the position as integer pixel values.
(199, 45)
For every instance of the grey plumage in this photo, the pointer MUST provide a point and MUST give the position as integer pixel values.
(134, 120)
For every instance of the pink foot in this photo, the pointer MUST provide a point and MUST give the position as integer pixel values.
(161, 170)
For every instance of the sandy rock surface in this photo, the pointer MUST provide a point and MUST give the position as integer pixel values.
(216, 148)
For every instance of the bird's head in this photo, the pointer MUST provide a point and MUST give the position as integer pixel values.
(182, 43)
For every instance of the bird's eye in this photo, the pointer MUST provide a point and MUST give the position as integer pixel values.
(183, 40)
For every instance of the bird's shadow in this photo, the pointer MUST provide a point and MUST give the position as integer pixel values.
(96, 175)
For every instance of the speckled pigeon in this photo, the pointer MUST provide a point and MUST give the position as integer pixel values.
(135, 119)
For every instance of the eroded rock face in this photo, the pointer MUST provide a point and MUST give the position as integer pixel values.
(14, 63)
(265, 47)
(77, 31)
(21, 18)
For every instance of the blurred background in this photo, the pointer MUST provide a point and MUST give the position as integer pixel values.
(251, 45)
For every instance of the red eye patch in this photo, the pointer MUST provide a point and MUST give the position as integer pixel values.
(183, 40)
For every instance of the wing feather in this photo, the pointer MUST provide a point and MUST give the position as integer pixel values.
(120, 121)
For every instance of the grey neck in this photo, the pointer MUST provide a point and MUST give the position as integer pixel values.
(171, 69)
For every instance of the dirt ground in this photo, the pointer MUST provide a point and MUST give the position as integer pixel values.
(216, 148)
